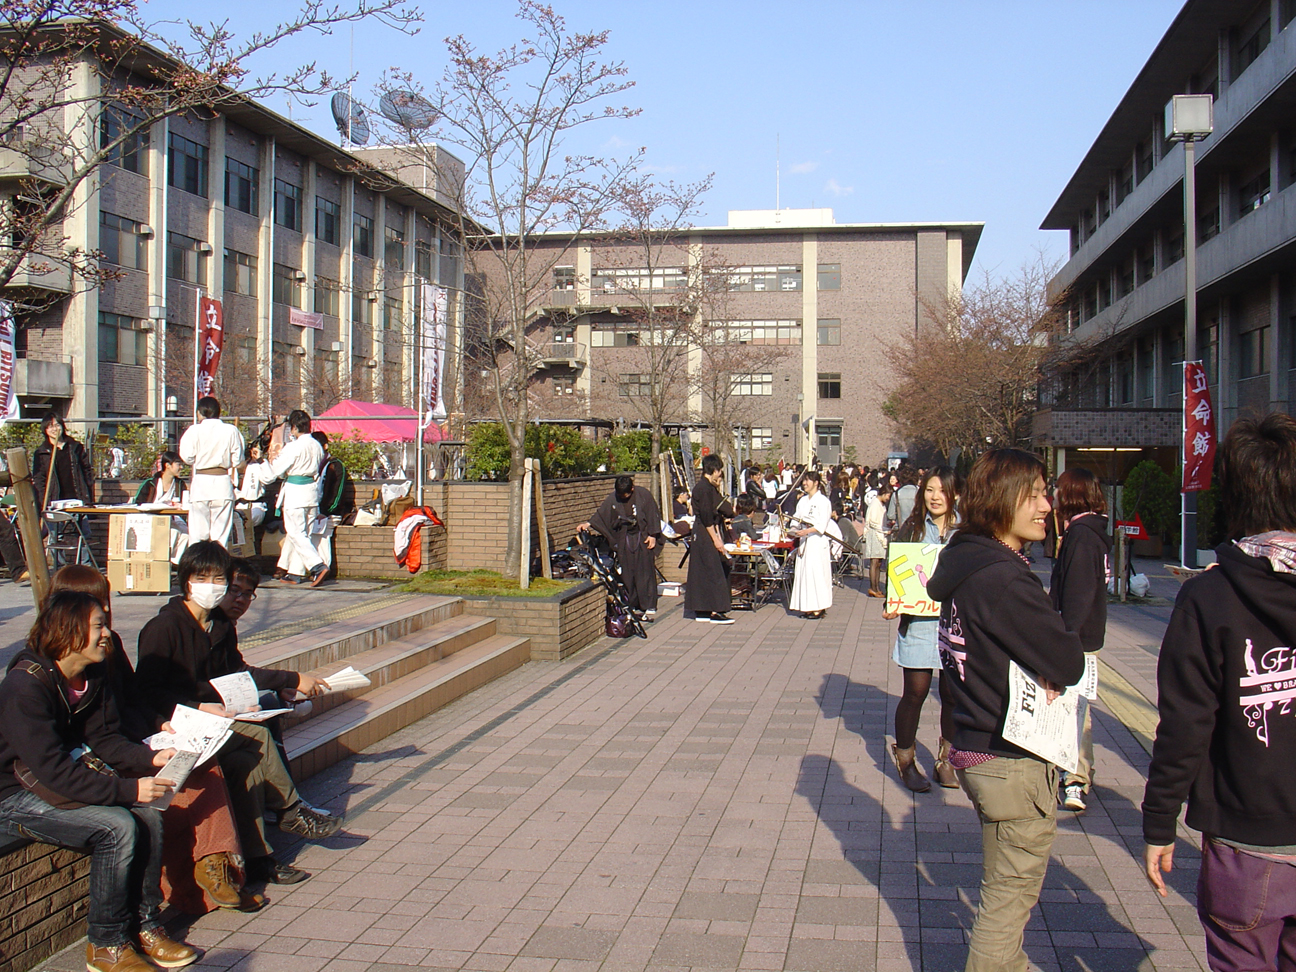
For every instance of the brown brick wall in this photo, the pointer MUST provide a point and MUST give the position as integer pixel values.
(43, 902)
(367, 551)
(1110, 428)
(558, 626)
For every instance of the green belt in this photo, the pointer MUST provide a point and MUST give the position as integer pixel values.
(299, 480)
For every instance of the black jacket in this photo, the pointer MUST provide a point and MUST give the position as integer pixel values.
(178, 659)
(82, 474)
(1078, 587)
(1226, 681)
(993, 610)
(39, 726)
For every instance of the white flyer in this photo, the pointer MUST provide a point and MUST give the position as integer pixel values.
(1050, 730)
(193, 731)
(261, 715)
(1088, 686)
(176, 770)
(238, 692)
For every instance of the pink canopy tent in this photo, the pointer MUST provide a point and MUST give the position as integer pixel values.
(379, 423)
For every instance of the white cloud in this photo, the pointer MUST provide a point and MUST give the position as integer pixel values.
(803, 168)
(837, 189)
(615, 142)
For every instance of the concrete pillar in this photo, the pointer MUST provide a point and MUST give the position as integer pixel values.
(264, 365)
(157, 278)
(310, 181)
(809, 340)
(378, 344)
(347, 281)
(1277, 393)
(81, 316)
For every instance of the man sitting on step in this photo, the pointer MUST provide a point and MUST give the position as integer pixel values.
(191, 642)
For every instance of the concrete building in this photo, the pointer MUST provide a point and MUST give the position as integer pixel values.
(1123, 209)
(795, 337)
(317, 264)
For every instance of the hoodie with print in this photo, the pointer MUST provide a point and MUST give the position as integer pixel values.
(1226, 689)
(993, 611)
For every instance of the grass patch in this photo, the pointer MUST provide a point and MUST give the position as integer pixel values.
(481, 583)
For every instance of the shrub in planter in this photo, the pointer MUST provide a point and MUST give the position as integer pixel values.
(632, 451)
(561, 449)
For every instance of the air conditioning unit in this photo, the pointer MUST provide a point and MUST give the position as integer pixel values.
(299, 274)
(204, 247)
(336, 346)
(373, 296)
(299, 351)
(145, 229)
(371, 363)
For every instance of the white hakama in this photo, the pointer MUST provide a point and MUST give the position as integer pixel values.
(812, 578)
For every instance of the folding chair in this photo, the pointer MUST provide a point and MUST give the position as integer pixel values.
(777, 576)
(62, 527)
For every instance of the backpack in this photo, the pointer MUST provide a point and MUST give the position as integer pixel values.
(338, 497)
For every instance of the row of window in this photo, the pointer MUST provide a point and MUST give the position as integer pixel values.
(613, 280)
(754, 385)
(764, 332)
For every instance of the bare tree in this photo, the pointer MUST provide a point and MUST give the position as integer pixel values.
(969, 375)
(660, 286)
(729, 365)
(82, 83)
(511, 113)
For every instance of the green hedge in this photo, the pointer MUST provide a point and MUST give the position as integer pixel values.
(562, 450)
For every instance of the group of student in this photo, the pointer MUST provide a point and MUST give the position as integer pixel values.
(1226, 735)
(74, 770)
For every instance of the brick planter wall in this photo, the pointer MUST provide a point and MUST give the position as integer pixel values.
(43, 900)
(558, 626)
(367, 551)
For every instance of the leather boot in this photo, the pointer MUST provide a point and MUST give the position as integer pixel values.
(214, 875)
(115, 958)
(910, 774)
(944, 772)
(163, 951)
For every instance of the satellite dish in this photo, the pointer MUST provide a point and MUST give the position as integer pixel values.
(407, 109)
(350, 118)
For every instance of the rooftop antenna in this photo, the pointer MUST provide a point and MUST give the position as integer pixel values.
(777, 175)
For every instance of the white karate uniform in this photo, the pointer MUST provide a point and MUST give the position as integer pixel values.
(303, 456)
(179, 527)
(256, 477)
(211, 444)
(812, 579)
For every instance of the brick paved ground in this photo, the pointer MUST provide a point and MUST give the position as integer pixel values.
(711, 798)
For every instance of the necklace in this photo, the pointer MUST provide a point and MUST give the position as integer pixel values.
(1021, 556)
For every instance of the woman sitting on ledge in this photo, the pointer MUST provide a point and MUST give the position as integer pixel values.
(60, 755)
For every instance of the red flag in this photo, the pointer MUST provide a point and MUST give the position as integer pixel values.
(1199, 429)
(210, 335)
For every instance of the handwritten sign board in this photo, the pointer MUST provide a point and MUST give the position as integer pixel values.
(909, 565)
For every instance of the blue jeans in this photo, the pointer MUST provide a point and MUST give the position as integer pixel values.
(125, 858)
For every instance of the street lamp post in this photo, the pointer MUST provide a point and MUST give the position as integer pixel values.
(1189, 119)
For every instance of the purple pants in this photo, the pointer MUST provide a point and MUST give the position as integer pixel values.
(1247, 907)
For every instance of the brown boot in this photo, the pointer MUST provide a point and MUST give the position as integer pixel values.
(115, 958)
(944, 772)
(165, 952)
(910, 774)
(215, 876)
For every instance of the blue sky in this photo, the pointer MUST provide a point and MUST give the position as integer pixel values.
(886, 111)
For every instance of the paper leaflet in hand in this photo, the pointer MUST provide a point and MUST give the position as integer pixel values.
(238, 692)
(176, 771)
(1050, 730)
(193, 731)
(347, 680)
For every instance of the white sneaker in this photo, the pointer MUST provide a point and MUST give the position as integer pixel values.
(1073, 797)
(721, 619)
(704, 618)
(650, 615)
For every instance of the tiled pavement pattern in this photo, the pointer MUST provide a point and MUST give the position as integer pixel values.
(711, 798)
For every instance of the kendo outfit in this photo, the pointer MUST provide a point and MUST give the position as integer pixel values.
(626, 526)
(707, 590)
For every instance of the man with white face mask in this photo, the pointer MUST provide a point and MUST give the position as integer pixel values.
(181, 650)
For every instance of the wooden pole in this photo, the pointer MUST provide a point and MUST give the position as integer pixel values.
(542, 526)
(664, 477)
(524, 575)
(29, 523)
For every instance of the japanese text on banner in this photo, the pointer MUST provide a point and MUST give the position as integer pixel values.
(211, 341)
(1199, 429)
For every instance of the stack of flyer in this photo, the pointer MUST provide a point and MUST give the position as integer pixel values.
(196, 737)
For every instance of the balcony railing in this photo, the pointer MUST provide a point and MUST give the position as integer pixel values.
(563, 353)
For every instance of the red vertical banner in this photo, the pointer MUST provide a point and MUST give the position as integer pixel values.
(210, 335)
(1199, 429)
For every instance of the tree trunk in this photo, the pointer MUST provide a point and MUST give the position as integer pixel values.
(653, 474)
(517, 468)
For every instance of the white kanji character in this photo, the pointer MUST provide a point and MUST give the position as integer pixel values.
(1201, 444)
(1199, 381)
(1202, 412)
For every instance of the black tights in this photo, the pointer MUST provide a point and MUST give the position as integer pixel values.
(917, 684)
(875, 574)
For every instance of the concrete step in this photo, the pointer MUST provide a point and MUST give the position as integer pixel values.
(321, 741)
(330, 644)
(395, 659)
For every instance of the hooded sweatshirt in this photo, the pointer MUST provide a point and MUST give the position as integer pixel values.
(40, 726)
(994, 610)
(1078, 588)
(178, 659)
(1226, 684)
